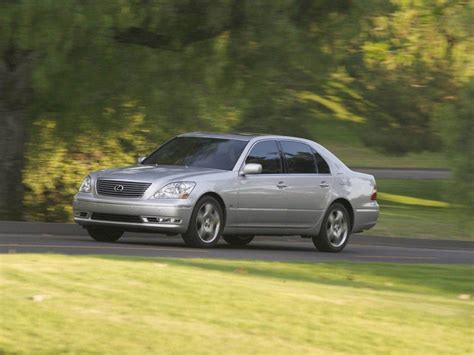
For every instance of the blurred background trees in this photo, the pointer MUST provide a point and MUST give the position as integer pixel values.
(87, 85)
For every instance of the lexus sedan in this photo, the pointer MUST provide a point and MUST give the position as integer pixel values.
(205, 185)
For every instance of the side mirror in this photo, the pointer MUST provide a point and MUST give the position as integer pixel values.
(251, 168)
(141, 158)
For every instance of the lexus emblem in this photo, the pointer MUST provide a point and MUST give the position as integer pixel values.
(118, 188)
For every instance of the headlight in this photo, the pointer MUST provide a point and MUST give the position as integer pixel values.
(86, 185)
(180, 189)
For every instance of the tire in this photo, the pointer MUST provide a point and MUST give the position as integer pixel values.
(104, 234)
(206, 224)
(335, 230)
(238, 240)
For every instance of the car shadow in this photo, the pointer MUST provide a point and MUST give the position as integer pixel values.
(177, 242)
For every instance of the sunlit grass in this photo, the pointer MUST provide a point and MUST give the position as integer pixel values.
(408, 200)
(420, 208)
(341, 138)
(53, 304)
(333, 104)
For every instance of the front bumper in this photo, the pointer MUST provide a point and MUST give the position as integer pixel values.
(170, 216)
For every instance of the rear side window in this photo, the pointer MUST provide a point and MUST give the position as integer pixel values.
(299, 158)
(323, 167)
(266, 153)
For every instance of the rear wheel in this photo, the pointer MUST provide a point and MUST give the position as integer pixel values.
(335, 230)
(206, 224)
(104, 234)
(238, 240)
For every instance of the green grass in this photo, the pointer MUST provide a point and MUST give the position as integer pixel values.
(341, 138)
(420, 208)
(136, 305)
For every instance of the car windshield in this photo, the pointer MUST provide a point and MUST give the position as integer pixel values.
(214, 153)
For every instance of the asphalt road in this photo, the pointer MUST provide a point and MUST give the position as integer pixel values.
(75, 241)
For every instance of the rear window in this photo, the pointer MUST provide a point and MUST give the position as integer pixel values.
(214, 153)
(323, 167)
(299, 158)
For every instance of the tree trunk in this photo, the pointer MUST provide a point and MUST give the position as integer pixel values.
(12, 142)
(15, 96)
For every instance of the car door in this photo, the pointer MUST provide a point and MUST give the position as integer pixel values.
(307, 190)
(262, 200)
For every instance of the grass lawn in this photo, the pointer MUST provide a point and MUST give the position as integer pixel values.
(86, 304)
(420, 208)
(341, 138)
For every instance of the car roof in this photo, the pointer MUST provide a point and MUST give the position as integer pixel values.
(237, 136)
(247, 137)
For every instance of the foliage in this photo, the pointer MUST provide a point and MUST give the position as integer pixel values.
(218, 66)
(415, 58)
(87, 304)
(279, 66)
(55, 167)
(456, 122)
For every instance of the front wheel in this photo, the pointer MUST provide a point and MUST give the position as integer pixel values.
(104, 234)
(238, 240)
(335, 230)
(206, 224)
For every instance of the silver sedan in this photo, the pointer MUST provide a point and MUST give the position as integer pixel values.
(205, 185)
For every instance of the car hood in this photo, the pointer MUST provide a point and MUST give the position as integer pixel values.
(153, 173)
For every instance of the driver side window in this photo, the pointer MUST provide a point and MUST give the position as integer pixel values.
(266, 153)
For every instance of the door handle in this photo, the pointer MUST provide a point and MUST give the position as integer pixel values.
(281, 185)
(324, 184)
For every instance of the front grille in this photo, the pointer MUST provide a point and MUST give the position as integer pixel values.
(121, 188)
(116, 217)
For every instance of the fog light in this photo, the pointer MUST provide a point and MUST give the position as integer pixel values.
(163, 220)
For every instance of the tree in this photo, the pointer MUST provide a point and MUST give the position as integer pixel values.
(87, 84)
(415, 58)
(65, 60)
(68, 69)
(456, 122)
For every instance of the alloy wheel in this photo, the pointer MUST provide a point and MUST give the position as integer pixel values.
(208, 223)
(337, 228)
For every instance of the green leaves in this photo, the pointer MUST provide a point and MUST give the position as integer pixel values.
(266, 66)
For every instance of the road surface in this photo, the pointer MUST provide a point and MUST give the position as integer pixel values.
(70, 239)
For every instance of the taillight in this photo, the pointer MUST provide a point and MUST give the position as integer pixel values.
(373, 197)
